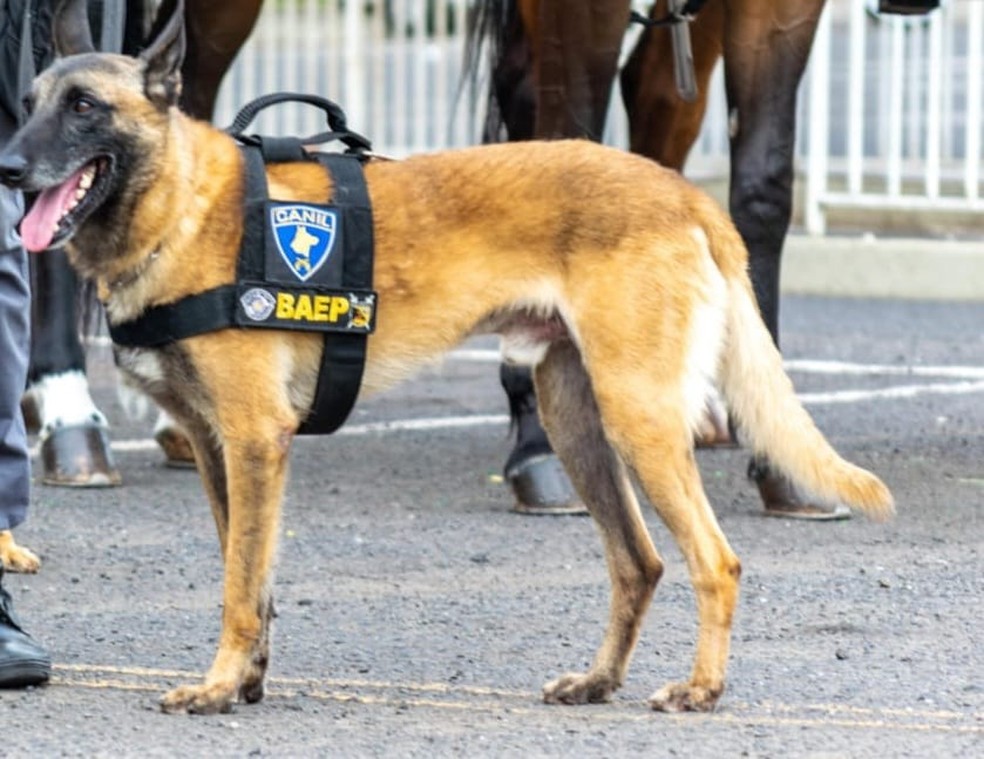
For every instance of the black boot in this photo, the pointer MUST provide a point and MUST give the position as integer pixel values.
(22, 661)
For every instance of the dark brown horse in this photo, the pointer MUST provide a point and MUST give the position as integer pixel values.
(553, 72)
(75, 447)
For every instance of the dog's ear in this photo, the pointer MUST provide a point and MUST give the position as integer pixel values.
(70, 28)
(163, 58)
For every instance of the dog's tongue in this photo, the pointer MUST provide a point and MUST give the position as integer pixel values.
(38, 226)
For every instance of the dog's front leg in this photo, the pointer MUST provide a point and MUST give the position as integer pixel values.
(254, 476)
(210, 459)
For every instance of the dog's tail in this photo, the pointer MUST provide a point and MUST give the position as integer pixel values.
(763, 403)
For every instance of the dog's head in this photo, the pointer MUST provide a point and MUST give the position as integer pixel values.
(96, 125)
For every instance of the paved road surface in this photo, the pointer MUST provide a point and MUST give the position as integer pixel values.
(419, 617)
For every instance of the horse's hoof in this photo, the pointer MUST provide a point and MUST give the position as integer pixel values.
(78, 456)
(178, 453)
(541, 487)
(781, 498)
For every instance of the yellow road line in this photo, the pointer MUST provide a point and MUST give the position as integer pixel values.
(519, 703)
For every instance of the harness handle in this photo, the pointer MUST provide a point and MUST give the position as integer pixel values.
(333, 112)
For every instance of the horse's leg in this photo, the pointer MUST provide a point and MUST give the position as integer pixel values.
(664, 126)
(512, 105)
(535, 474)
(575, 59)
(766, 47)
(571, 50)
(537, 479)
(215, 32)
(74, 434)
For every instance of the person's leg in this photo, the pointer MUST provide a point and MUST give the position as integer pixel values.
(14, 462)
(22, 661)
(15, 465)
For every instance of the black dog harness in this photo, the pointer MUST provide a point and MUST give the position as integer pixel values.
(302, 266)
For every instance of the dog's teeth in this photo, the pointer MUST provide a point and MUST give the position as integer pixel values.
(85, 181)
(80, 193)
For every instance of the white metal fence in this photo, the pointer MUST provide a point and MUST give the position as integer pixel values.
(890, 112)
(395, 67)
(893, 114)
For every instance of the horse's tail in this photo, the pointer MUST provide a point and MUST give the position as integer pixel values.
(761, 398)
(495, 27)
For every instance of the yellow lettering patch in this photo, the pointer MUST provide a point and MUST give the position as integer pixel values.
(310, 308)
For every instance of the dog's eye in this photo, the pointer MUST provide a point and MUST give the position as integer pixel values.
(82, 105)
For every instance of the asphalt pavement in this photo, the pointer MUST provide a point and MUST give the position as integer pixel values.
(418, 616)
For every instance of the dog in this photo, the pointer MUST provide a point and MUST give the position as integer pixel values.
(623, 285)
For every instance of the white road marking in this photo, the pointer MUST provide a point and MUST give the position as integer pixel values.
(397, 425)
(804, 365)
(972, 376)
(810, 366)
(900, 391)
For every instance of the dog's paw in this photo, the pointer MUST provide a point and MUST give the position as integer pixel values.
(16, 558)
(684, 697)
(252, 691)
(200, 699)
(574, 688)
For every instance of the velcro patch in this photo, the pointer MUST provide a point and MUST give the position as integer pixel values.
(305, 235)
(265, 305)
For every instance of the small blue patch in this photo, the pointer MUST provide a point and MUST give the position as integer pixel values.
(305, 236)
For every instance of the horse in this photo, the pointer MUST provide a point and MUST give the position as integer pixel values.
(74, 433)
(553, 70)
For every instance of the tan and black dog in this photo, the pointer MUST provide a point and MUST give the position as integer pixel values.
(624, 285)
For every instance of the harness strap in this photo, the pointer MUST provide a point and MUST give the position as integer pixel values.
(344, 356)
(250, 266)
(157, 326)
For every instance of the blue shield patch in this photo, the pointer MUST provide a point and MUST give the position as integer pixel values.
(305, 236)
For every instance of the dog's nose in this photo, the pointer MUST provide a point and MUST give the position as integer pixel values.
(13, 169)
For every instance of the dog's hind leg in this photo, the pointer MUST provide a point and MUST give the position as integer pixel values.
(646, 421)
(570, 416)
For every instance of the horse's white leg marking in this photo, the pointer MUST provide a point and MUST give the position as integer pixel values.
(63, 400)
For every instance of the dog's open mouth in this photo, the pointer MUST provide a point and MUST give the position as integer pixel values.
(56, 212)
